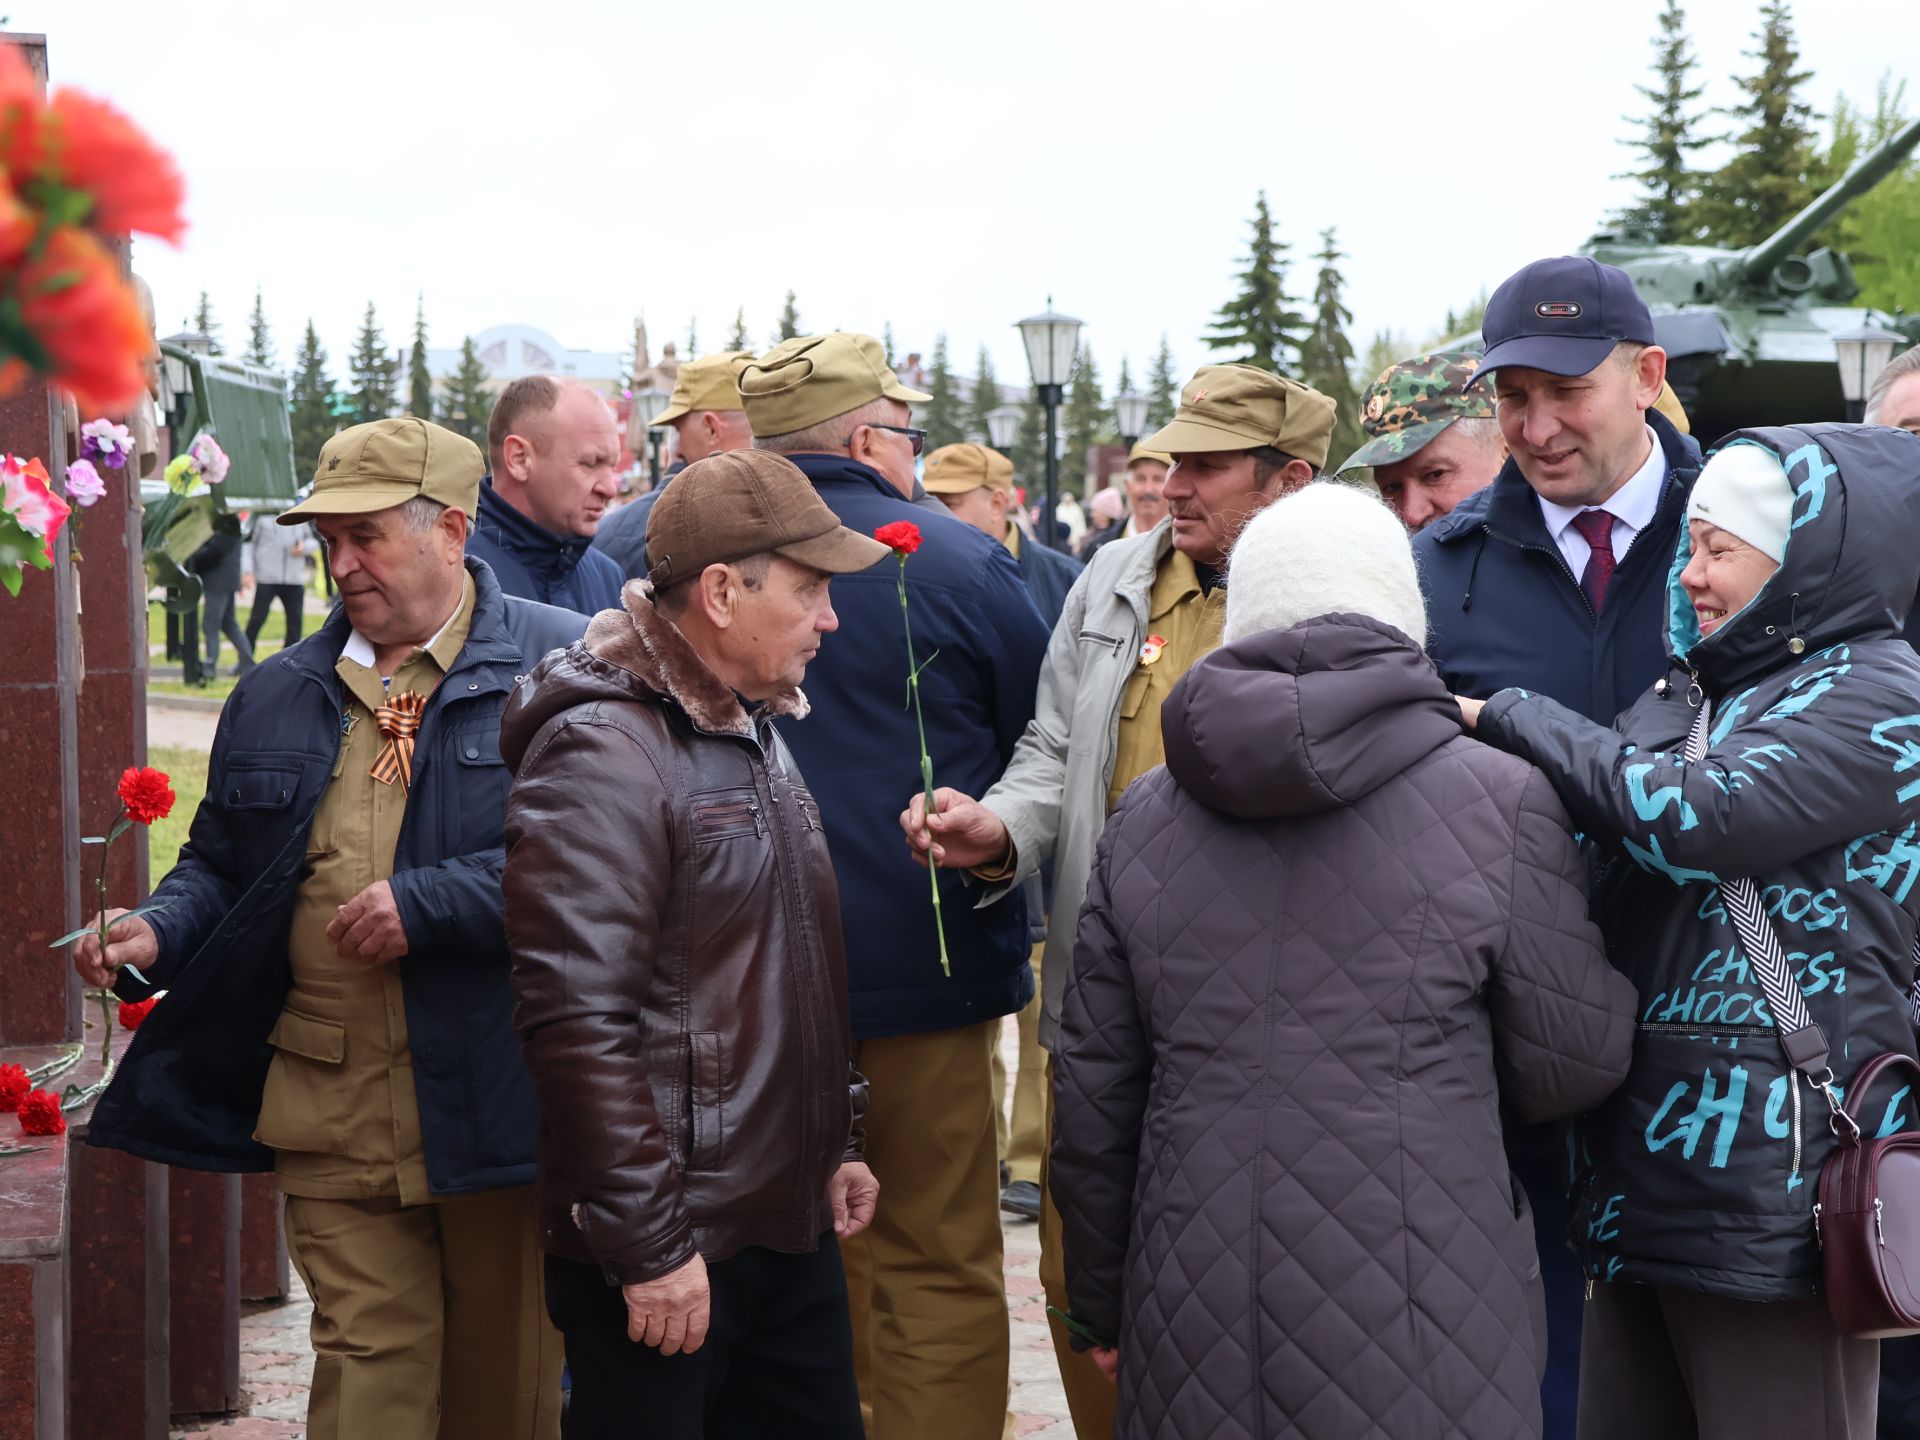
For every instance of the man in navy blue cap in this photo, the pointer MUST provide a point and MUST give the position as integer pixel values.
(1554, 578)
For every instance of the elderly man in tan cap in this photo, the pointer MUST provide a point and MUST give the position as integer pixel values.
(707, 417)
(1144, 610)
(345, 1020)
(1146, 495)
(926, 1280)
(682, 989)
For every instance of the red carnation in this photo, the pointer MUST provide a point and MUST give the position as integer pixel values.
(13, 1087)
(902, 537)
(147, 794)
(132, 1012)
(40, 1114)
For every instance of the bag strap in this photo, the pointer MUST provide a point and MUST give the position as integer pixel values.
(1804, 1042)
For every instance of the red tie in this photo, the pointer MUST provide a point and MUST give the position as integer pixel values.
(1596, 528)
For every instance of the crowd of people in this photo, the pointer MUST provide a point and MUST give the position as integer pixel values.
(1357, 867)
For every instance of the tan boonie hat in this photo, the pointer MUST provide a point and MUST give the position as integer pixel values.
(709, 383)
(811, 378)
(1239, 407)
(748, 502)
(956, 469)
(1141, 452)
(384, 463)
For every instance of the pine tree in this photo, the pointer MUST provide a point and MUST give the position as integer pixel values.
(1260, 323)
(886, 342)
(986, 396)
(373, 372)
(1669, 188)
(789, 321)
(693, 340)
(945, 417)
(259, 339)
(311, 403)
(203, 323)
(1326, 356)
(466, 404)
(1772, 175)
(1163, 390)
(419, 380)
(738, 338)
(1084, 420)
(1030, 446)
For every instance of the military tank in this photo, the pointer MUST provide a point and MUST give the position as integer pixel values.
(1749, 334)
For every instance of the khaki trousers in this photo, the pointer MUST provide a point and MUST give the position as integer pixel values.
(1090, 1395)
(926, 1282)
(1023, 1140)
(429, 1321)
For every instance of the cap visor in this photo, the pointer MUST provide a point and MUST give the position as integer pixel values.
(1192, 437)
(1554, 354)
(1391, 449)
(668, 416)
(349, 500)
(897, 391)
(838, 552)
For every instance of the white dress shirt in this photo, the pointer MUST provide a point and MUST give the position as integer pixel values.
(1632, 507)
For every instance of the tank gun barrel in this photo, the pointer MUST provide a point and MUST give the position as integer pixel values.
(1757, 262)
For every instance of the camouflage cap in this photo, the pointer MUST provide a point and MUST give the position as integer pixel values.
(1407, 407)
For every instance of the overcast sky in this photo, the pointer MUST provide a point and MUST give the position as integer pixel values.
(942, 167)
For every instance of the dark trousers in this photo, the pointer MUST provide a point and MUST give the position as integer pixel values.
(1900, 1388)
(291, 598)
(222, 621)
(1660, 1363)
(1533, 1154)
(778, 1358)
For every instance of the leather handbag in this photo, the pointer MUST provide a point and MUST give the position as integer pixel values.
(1867, 1215)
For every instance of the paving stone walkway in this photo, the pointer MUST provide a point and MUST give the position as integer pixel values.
(276, 1365)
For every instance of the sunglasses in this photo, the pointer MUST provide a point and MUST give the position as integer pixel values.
(918, 437)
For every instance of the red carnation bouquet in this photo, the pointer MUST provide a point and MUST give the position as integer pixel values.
(903, 538)
(146, 795)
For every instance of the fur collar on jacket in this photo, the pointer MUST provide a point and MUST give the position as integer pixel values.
(640, 639)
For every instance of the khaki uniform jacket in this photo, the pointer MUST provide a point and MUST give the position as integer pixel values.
(1053, 796)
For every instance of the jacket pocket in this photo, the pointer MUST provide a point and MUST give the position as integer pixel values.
(728, 814)
(706, 1063)
(307, 1104)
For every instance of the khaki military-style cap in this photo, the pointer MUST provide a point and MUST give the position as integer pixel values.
(749, 502)
(1141, 452)
(1239, 407)
(709, 383)
(811, 378)
(956, 469)
(384, 463)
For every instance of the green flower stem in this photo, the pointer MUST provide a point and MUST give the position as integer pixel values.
(926, 762)
(100, 909)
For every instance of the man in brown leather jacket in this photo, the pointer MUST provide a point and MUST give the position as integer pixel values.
(680, 983)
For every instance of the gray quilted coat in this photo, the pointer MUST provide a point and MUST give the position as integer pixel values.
(1318, 949)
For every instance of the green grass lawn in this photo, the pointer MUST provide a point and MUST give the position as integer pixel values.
(188, 771)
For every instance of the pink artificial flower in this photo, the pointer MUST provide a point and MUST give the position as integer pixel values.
(209, 458)
(25, 493)
(84, 485)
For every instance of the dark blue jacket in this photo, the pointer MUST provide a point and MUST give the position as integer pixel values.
(188, 1091)
(1049, 575)
(860, 753)
(622, 536)
(536, 564)
(1503, 608)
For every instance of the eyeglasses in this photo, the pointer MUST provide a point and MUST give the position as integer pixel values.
(918, 437)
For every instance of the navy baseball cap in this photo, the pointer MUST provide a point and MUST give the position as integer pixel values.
(1563, 316)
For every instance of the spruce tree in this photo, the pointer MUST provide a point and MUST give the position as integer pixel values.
(945, 417)
(886, 342)
(737, 338)
(311, 404)
(203, 323)
(1084, 421)
(1669, 188)
(1163, 390)
(1259, 325)
(1772, 174)
(259, 339)
(467, 403)
(789, 325)
(373, 373)
(986, 396)
(1326, 356)
(1030, 446)
(419, 381)
(693, 340)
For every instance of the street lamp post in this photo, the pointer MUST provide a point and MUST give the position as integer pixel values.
(1130, 414)
(1862, 354)
(1051, 340)
(646, 405)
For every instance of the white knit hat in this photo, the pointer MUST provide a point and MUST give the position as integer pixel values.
(1744, 490)
(1327, 547)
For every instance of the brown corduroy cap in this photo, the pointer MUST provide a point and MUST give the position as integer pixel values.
(1238, 407)
(748, 502)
